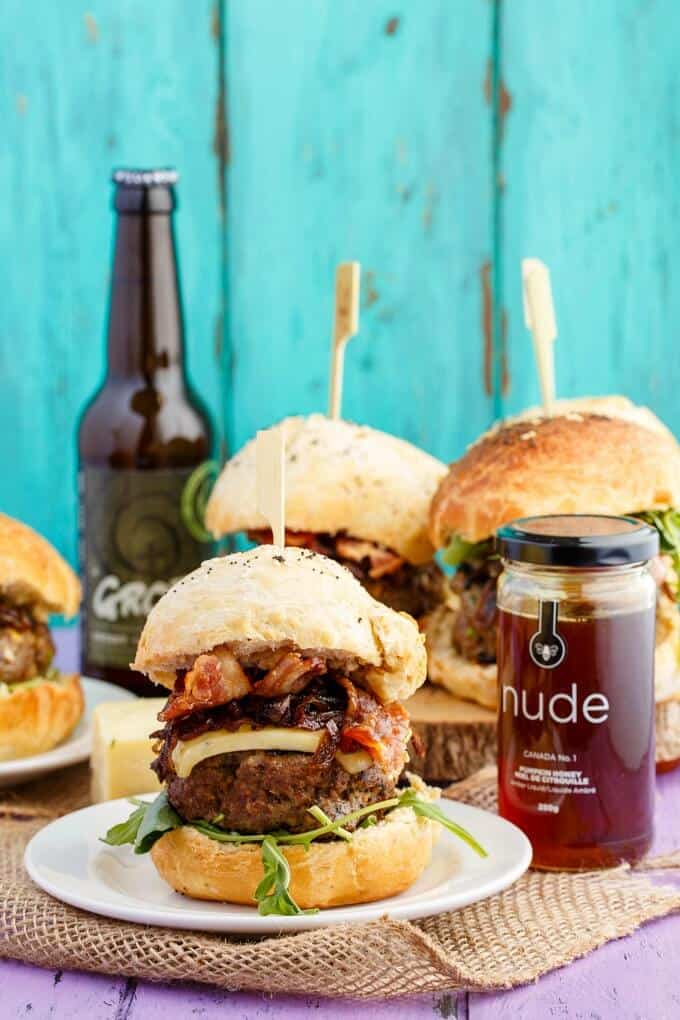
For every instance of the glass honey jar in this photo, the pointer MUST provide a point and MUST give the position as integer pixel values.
(576, 687)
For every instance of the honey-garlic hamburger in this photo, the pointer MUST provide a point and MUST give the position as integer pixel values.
(354, 494)
(593, 456)
(283, 740)
(39, 706)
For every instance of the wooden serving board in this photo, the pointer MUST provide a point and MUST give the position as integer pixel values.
(459, 737)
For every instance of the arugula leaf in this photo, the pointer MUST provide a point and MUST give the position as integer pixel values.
(427, 809)
(149, 821)
(125, 832)
(145, 825)
(458, 550)
(298, 838)
(320, 816)
(159, 817)
(368, 822)
(667, 523)
(272, 894)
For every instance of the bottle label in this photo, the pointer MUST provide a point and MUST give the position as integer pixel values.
(140, 531)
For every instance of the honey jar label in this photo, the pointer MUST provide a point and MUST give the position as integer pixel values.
(547, 648)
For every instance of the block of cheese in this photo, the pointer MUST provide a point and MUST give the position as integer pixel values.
(121, 748)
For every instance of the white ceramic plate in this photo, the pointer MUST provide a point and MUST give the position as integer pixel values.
(67, 860)
(75, 748)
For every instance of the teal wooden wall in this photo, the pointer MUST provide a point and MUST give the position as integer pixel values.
(438, 142)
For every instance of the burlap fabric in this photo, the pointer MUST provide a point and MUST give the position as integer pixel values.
(544, 921)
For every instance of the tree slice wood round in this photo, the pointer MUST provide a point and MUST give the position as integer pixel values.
(459, 737)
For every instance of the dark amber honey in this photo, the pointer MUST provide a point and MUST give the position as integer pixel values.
(576, 740)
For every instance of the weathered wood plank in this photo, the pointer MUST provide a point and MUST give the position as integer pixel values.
(590, 164)
(28, 992)
(360, 131)
(80, 92)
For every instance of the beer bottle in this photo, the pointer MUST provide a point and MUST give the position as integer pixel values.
(144, 441)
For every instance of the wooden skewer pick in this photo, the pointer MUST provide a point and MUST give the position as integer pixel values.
(271, 481)
(345, 326)
(539, 317)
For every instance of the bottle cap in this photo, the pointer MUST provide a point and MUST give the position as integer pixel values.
(578, 540)
(144, 191)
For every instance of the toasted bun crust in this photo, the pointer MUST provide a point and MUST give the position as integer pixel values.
(339, 477)
(380, 861)
(31, 570)
(35, 718)
(574, 462)
(268, 597)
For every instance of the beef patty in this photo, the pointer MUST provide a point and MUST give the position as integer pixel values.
(26, 648)
(261, 791)
(414, 590)
(475, 622)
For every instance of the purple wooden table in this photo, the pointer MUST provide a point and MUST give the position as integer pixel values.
(635, 977)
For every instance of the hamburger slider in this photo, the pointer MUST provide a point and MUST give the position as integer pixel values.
(354, 494)
(283, 739)
(593, 456)
(39, 706)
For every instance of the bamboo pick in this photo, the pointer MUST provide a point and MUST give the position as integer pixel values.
(271, 481)
(539, 317)
(345, 326)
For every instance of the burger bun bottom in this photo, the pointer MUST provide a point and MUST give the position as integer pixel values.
(35, 717)
(379, 861)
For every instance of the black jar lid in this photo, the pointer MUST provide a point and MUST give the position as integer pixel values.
(577, 540)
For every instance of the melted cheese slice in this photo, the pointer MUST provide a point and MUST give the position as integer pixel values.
(188, 753)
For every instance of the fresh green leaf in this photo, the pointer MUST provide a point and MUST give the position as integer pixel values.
(125, 832)
(368, 822)
(320, 816)
(667, 523)
(273, 894)
(145, 825)
(298, 838)
(149, 821)
(427, 809)
(458, 550)
(159, 817)
(408, 798)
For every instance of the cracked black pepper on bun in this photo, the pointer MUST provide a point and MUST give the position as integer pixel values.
(39, 706)
(283, 741)
(594, 455)
(354, 494)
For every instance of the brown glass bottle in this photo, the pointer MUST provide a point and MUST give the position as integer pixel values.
(144, 440)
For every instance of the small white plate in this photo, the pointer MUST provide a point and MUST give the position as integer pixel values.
(75, 748)
(67, 860)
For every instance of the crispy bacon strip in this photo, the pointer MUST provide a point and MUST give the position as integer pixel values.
(382, 730)
(299, 539)
(356, 550)
(213, 680)
(382, 561)
(291, 674)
